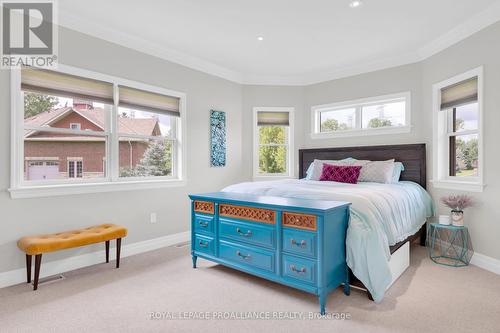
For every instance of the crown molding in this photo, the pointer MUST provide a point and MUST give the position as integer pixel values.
(464, 30)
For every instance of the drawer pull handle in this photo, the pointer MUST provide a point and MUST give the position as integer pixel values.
(294, 242)
(294, 269)
(203, 224)
(246, 257)
(248, 233)
(203, 244)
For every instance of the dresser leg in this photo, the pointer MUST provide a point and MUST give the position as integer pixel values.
(194, 261)
(322, 302)
(347, 285)
(347, 289)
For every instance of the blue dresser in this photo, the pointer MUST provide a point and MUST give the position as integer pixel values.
(295, 242)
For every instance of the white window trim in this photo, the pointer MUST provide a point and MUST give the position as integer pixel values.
(358, 103)
(20, 188)
(441, 178)
(290, 151)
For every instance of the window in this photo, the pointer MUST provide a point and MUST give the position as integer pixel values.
(377, 115)
(75, 169)
(123, 132)
(457, 132)
(273, 142)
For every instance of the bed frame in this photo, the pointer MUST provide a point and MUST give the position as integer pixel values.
(413, 157)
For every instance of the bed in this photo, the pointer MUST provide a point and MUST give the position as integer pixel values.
(384, 217)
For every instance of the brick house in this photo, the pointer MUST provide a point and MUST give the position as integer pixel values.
(60, 155)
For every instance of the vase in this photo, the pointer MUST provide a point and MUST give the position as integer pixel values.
(457, 218)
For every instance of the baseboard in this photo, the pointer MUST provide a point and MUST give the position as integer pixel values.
(60, 266)
(485, 262)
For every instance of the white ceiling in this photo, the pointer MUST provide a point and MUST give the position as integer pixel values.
(304, 41)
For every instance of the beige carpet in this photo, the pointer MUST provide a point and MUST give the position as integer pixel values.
(427, 298)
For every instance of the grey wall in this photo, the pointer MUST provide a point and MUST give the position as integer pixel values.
(482, 48)
(389, 81)
(28, 216)
(40, 215)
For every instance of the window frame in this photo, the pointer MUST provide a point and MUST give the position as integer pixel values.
(441, 137)
(290, 147)
(358, 104)
(78, 126)
(21, 188)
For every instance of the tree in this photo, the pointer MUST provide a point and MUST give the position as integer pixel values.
(378, 122)
(467, 151)
(36, 103)
(272, 159)
(156, 161)
(331, 125)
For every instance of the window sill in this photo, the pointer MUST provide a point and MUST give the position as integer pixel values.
(71, 189)
(360, 133)
(457, 185)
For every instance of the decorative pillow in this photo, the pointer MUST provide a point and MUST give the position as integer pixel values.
(396, 174)
(339, 173)
(377, 172)
(316, 168)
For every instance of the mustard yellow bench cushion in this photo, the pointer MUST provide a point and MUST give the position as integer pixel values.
(34, 245)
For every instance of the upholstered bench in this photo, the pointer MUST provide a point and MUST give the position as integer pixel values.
(37, 245)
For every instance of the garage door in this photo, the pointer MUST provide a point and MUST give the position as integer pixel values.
(40, 170)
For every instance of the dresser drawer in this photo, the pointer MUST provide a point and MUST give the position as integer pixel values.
(299, 242)
(299, 269)
(299, 221)
(247, 232)
(203, 223)
(248, 256)
(204, 244)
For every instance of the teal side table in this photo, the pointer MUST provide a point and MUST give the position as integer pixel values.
(449, 245)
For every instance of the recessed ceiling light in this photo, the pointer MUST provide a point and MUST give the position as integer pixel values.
(355, 3)
(260, 38)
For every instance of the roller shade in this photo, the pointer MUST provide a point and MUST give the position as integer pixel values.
(268, 118)
(147, 101)
(464, 92)
(65, 85)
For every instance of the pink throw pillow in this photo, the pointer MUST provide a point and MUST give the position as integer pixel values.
(342, 174)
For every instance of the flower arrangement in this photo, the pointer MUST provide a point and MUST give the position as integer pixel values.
(457, 203)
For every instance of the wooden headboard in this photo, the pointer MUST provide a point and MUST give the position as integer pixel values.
(412, 156)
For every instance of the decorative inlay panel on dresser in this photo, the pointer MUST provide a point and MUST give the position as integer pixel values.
(299, 221)
(204, 207)
(248, 213)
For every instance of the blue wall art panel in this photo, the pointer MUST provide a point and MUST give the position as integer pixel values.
(217, 138)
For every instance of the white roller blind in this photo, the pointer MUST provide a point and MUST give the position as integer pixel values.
(268, 118)
(147, 101)
(65, 85)
(461, 93)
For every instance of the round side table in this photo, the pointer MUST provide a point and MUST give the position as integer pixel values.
(449, 245)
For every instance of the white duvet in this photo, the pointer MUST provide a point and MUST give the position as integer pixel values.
(381, 215)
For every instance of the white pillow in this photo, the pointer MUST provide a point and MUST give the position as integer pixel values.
(377, 172)
(316, 168)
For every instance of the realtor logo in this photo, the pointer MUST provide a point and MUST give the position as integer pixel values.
(28, 34)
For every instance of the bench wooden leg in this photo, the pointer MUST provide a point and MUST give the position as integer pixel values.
(28, 268)
(118, 248)
(107, 251)
(38, 262)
